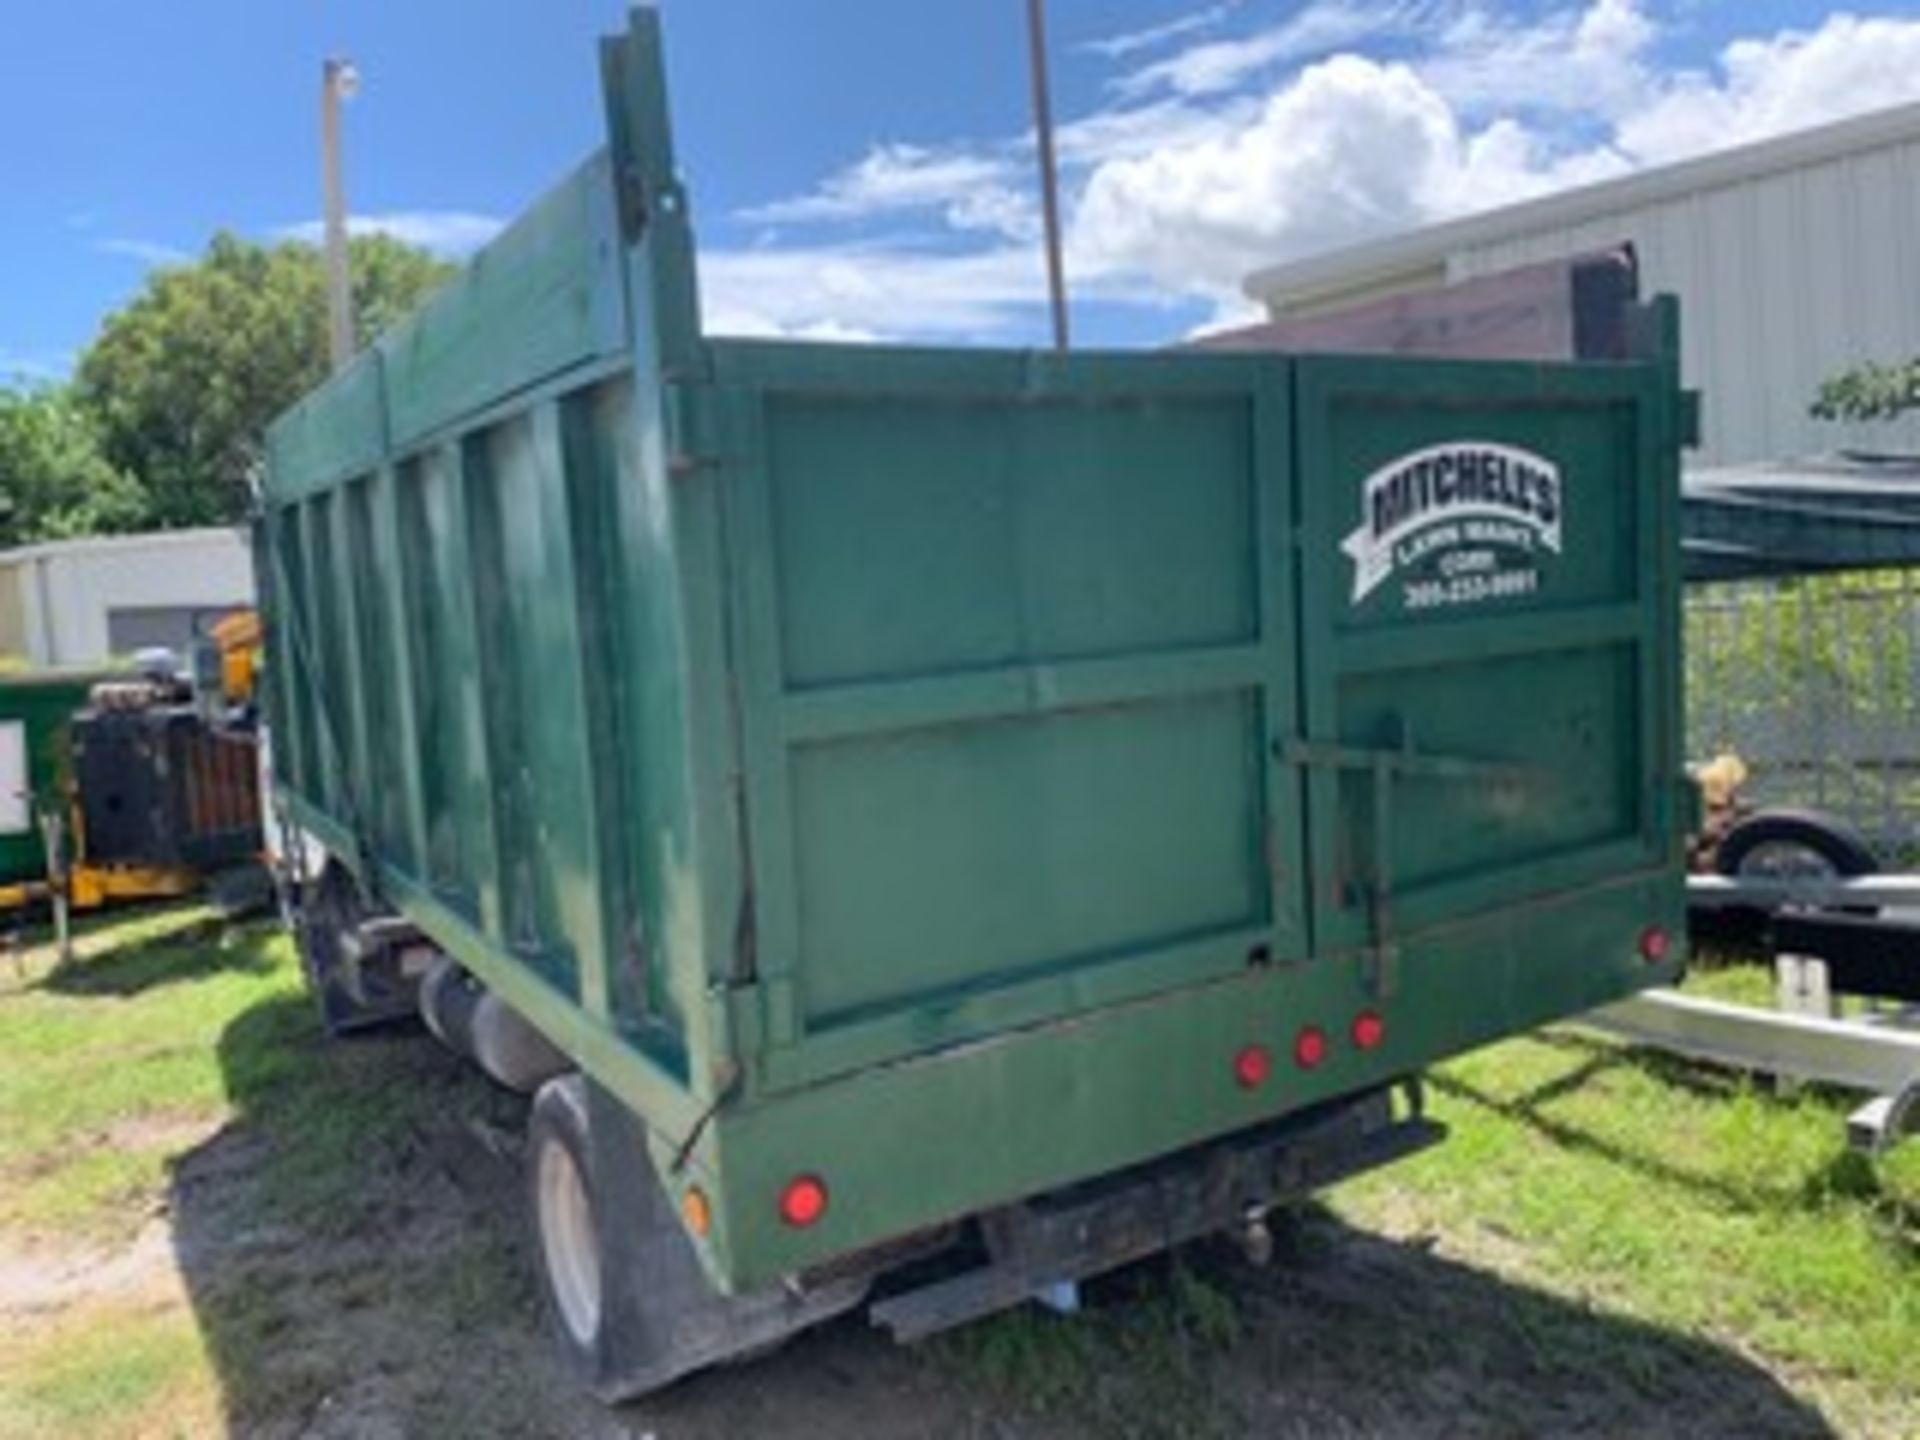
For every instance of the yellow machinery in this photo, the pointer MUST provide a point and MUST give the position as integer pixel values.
(145, 783)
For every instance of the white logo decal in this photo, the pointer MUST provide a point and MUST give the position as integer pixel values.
(1453, 509)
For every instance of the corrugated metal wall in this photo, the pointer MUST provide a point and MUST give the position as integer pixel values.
(1784, 279)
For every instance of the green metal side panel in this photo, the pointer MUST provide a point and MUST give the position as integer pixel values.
(498, 675)
(41, 706)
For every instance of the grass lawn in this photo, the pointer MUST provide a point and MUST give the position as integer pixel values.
(210, 1217)
(1693, 1199)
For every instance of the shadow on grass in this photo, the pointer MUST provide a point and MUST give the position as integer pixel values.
(349, 1239)
(1848, 1174)
(352, 1246)
(162, 946)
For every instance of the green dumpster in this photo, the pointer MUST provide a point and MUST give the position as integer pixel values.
(36, 714)
(989, 811)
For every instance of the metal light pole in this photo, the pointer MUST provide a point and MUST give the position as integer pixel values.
(1049, 173)
(338, 81)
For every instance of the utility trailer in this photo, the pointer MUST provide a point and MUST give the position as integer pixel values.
(936, 825)
(1831, 936)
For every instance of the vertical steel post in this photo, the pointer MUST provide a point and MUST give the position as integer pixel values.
(1049, 171)
(337, 82)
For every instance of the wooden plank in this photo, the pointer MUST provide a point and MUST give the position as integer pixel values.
(1562, 310)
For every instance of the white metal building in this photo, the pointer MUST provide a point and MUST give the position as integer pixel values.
(1793, 258)
(83, 602)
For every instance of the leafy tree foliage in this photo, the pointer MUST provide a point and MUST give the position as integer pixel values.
(181, 383)
(54, 482)
(1871, 392)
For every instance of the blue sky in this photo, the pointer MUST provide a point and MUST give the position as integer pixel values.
(862, 168)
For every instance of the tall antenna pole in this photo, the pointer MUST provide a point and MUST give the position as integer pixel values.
(1049, 172)
(338, 80)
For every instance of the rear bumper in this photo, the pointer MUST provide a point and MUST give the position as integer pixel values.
(906, 1147)
(1083, 1231)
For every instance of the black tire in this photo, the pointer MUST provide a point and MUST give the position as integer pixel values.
(329, 907)
(1825, 840)
(325, 907)
(559, 1157)
(651, 1314)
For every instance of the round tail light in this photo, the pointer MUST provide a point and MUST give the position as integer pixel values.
(1252, 1066)
(1310, 1047)
(803, 1202)
(1655, 945)
(1369, 1030)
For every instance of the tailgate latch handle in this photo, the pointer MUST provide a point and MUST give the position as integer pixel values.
(1385, 763)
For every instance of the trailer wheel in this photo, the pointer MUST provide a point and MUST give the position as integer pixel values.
(1788, 843)
(565, 1225)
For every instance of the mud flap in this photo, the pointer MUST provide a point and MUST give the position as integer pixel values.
(663, 1317)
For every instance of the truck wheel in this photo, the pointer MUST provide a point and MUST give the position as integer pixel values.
(628, 1302)
(560, 1194)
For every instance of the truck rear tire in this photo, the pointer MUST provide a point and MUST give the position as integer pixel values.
(566, 1231)
(629, 1305)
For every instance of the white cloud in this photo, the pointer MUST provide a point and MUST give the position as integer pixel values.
(1786, 82)
(723, 317)
(1230, 154)
(1118, 47)
(147, 252)
(972, 190)
(867, 290)
(1590, 59)
(446, 232)
(1320, 29)
(1116, 133)
(1351, 147)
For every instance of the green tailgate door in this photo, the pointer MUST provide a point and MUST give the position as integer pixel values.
(1487, 560)
(1017, 635)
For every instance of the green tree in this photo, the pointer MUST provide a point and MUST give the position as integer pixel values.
(1870, 392)
(181, 383)
(54, 481)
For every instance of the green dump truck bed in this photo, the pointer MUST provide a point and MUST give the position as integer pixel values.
(946, 776)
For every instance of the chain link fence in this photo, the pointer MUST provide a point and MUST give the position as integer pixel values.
(1814, 681)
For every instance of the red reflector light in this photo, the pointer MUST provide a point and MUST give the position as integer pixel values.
(1310, 1048)
(1369, 1030)
(803, 1202)
(1252, 1066)
(1655, 945)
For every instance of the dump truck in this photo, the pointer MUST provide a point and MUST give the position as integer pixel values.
(931, 826)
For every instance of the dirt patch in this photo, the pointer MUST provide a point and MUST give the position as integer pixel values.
(48, 1276)
(172, 1133)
